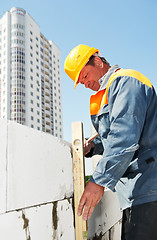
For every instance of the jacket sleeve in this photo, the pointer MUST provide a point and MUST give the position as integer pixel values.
(127, 109)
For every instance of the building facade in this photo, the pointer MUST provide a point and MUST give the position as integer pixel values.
(30, 74)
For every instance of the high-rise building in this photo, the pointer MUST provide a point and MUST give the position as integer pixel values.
(30, 74)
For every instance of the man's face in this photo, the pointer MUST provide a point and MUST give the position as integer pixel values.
(89, 76)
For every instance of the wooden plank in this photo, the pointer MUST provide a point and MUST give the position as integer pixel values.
(79, 177)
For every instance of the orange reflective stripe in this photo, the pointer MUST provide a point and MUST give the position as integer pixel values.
(95, 102)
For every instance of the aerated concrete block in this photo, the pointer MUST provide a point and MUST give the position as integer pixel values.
(50, 221)
(39, 168)
(3, 164)
(105, 215)
(11, 226)
(44, 222)
(113, 233)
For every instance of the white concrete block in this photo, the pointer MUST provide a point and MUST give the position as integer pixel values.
(113, 233)
(39, 168)
(105, 215)
(45, 222)
(3, 164)
(51, 221)
(11, 226)
(65, 229)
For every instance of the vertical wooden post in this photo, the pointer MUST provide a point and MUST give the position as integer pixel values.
(79, 177)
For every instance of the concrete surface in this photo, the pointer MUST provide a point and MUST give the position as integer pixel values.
(3, 165)
(36, 193)
(106, 215)
(38, 163)
(44, 222)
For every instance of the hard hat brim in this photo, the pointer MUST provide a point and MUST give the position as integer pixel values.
(76, 80)
(77, 75)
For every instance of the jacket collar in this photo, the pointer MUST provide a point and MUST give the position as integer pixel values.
(104, 80)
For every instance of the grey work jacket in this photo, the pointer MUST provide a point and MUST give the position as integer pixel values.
(125, 115)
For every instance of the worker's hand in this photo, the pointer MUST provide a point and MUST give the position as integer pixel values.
(87, 146)
(90, 198)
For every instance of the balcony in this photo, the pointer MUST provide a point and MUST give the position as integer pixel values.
(46, 53)
(47, 92)
(48, 130)
(47, 115)
(47, 106)
(47, 80)
(46, 73)
(46, 66)
(46, 59)
(47, 100)
(47, 124)
(47, 86)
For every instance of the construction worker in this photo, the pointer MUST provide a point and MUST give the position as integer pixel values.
(124, 113)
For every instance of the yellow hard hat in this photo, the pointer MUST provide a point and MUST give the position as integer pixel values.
(77, 59)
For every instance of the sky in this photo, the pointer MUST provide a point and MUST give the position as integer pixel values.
(124, 31)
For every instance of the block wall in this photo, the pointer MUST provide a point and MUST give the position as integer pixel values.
(36, 189)
(36, 185)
